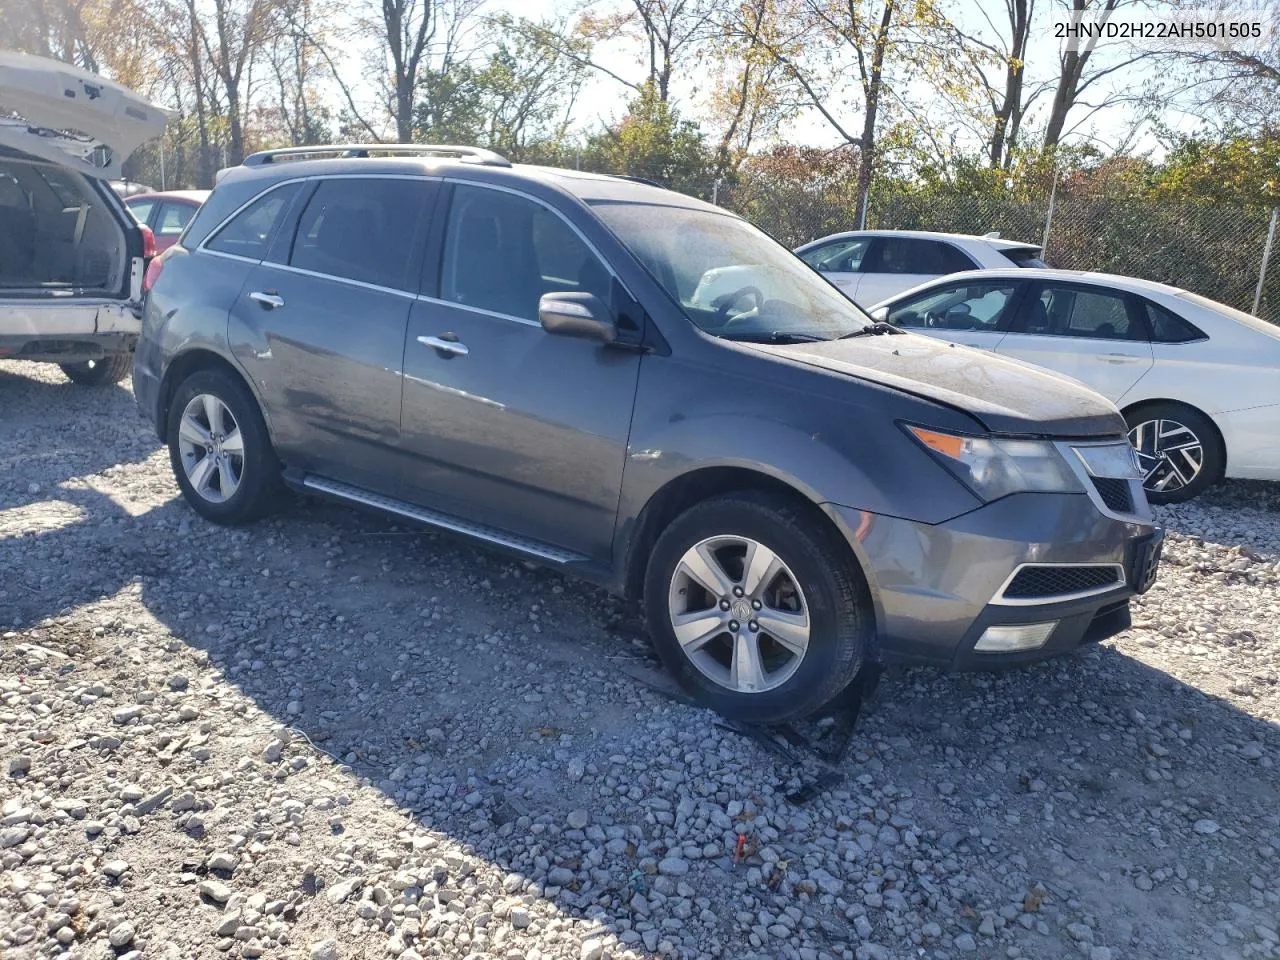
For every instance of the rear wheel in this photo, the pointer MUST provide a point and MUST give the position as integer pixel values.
(220, 450)
(756, 608)
(1179, 449)
(96, 373)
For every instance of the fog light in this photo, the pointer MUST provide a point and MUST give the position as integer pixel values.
(1010, 637)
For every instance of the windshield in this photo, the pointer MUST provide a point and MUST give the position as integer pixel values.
(731, 279)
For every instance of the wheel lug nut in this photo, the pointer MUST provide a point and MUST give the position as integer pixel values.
(753, 626)
(733, 625)
(756, 604)
(724, 604)
(737, 591)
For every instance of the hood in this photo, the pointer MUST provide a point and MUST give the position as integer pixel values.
(70, 117)
(1006, 396)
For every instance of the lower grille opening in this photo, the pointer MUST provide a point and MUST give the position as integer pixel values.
(1115, 493)
(1044, 582)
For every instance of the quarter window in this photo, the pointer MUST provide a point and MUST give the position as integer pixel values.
(503, 252)
(248, 234)
(141, 210)
(361, 229)
(1168, 327)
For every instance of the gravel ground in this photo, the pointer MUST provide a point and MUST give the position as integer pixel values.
(328, 736)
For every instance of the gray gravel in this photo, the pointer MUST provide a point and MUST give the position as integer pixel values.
(329, 737)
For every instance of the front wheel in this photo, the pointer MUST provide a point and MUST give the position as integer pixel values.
(97, 373)
(1179, 449)
(756, 608)
(220, 450)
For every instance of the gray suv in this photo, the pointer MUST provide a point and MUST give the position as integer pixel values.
(527, 356)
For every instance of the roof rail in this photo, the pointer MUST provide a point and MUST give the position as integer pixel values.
(644, 180)
(465, 154)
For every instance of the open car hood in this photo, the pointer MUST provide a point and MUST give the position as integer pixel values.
(76, 119)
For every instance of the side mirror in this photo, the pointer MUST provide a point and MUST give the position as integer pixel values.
(581, 315)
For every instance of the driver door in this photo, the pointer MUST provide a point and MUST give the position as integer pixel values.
(976, 313)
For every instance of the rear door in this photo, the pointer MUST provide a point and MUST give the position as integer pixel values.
(320, 324)
(894, 264)
(1094, 334)
(839, 261)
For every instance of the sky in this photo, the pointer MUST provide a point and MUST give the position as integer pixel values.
(604, 99)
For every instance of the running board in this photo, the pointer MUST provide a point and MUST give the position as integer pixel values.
(354, 494)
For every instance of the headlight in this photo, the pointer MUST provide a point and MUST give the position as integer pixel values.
(993, 468)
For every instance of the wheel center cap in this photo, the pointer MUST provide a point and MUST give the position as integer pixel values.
(741, 610)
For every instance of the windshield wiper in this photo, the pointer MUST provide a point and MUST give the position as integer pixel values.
(874, 329)
(777, 336)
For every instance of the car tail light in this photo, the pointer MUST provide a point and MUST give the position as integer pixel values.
(154, 269)
(148, 241)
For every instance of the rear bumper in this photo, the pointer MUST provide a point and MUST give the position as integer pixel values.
(936, 588)
(1249, 435)
(146, 384)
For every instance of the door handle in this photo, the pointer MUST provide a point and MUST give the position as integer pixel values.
(1118, 358)
(268, 299)
(446, 345)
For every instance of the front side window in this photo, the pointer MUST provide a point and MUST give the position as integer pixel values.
(964, 306)
(248, 233)
(730, 279)
(1067, 311)
(362, 229)
(839, 256)
(502, 252)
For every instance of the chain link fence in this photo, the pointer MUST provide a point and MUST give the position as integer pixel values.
(1218, 250)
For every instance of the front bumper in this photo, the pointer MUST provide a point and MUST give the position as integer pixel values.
(936, 588)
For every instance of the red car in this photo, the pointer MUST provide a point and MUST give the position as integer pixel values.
(167, 214)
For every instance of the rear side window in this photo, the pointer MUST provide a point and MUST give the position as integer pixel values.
(1067, 311)
(248, 233)
(1168, 327)
(141, 210)
(914, 255)
(362, 229)
(174, 218)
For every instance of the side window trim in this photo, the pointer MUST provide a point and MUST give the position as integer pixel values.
(213, 234)
(1035, 289)
(1145, 303)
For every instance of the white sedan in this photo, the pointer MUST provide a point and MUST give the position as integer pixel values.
(1197, 381)
(870, 265)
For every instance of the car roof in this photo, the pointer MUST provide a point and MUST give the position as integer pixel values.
(587, 187)
(1114, 280)
(197, 196)
(998, 242)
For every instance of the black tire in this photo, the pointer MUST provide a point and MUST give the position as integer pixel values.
(1166, 423)
(97, 373)
(259, 486)
(839, 606)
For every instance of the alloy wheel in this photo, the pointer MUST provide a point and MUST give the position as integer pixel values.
(1169, 452)
(739, 614)
(211, 447)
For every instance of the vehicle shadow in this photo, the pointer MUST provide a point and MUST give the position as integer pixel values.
(483, 698)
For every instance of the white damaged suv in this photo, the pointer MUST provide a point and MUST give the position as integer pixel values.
(71, 256)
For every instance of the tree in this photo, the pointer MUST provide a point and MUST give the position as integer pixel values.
(653, 142)
(1006, 95)
(1243, 168)
(883, 42)
(1080, 69)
